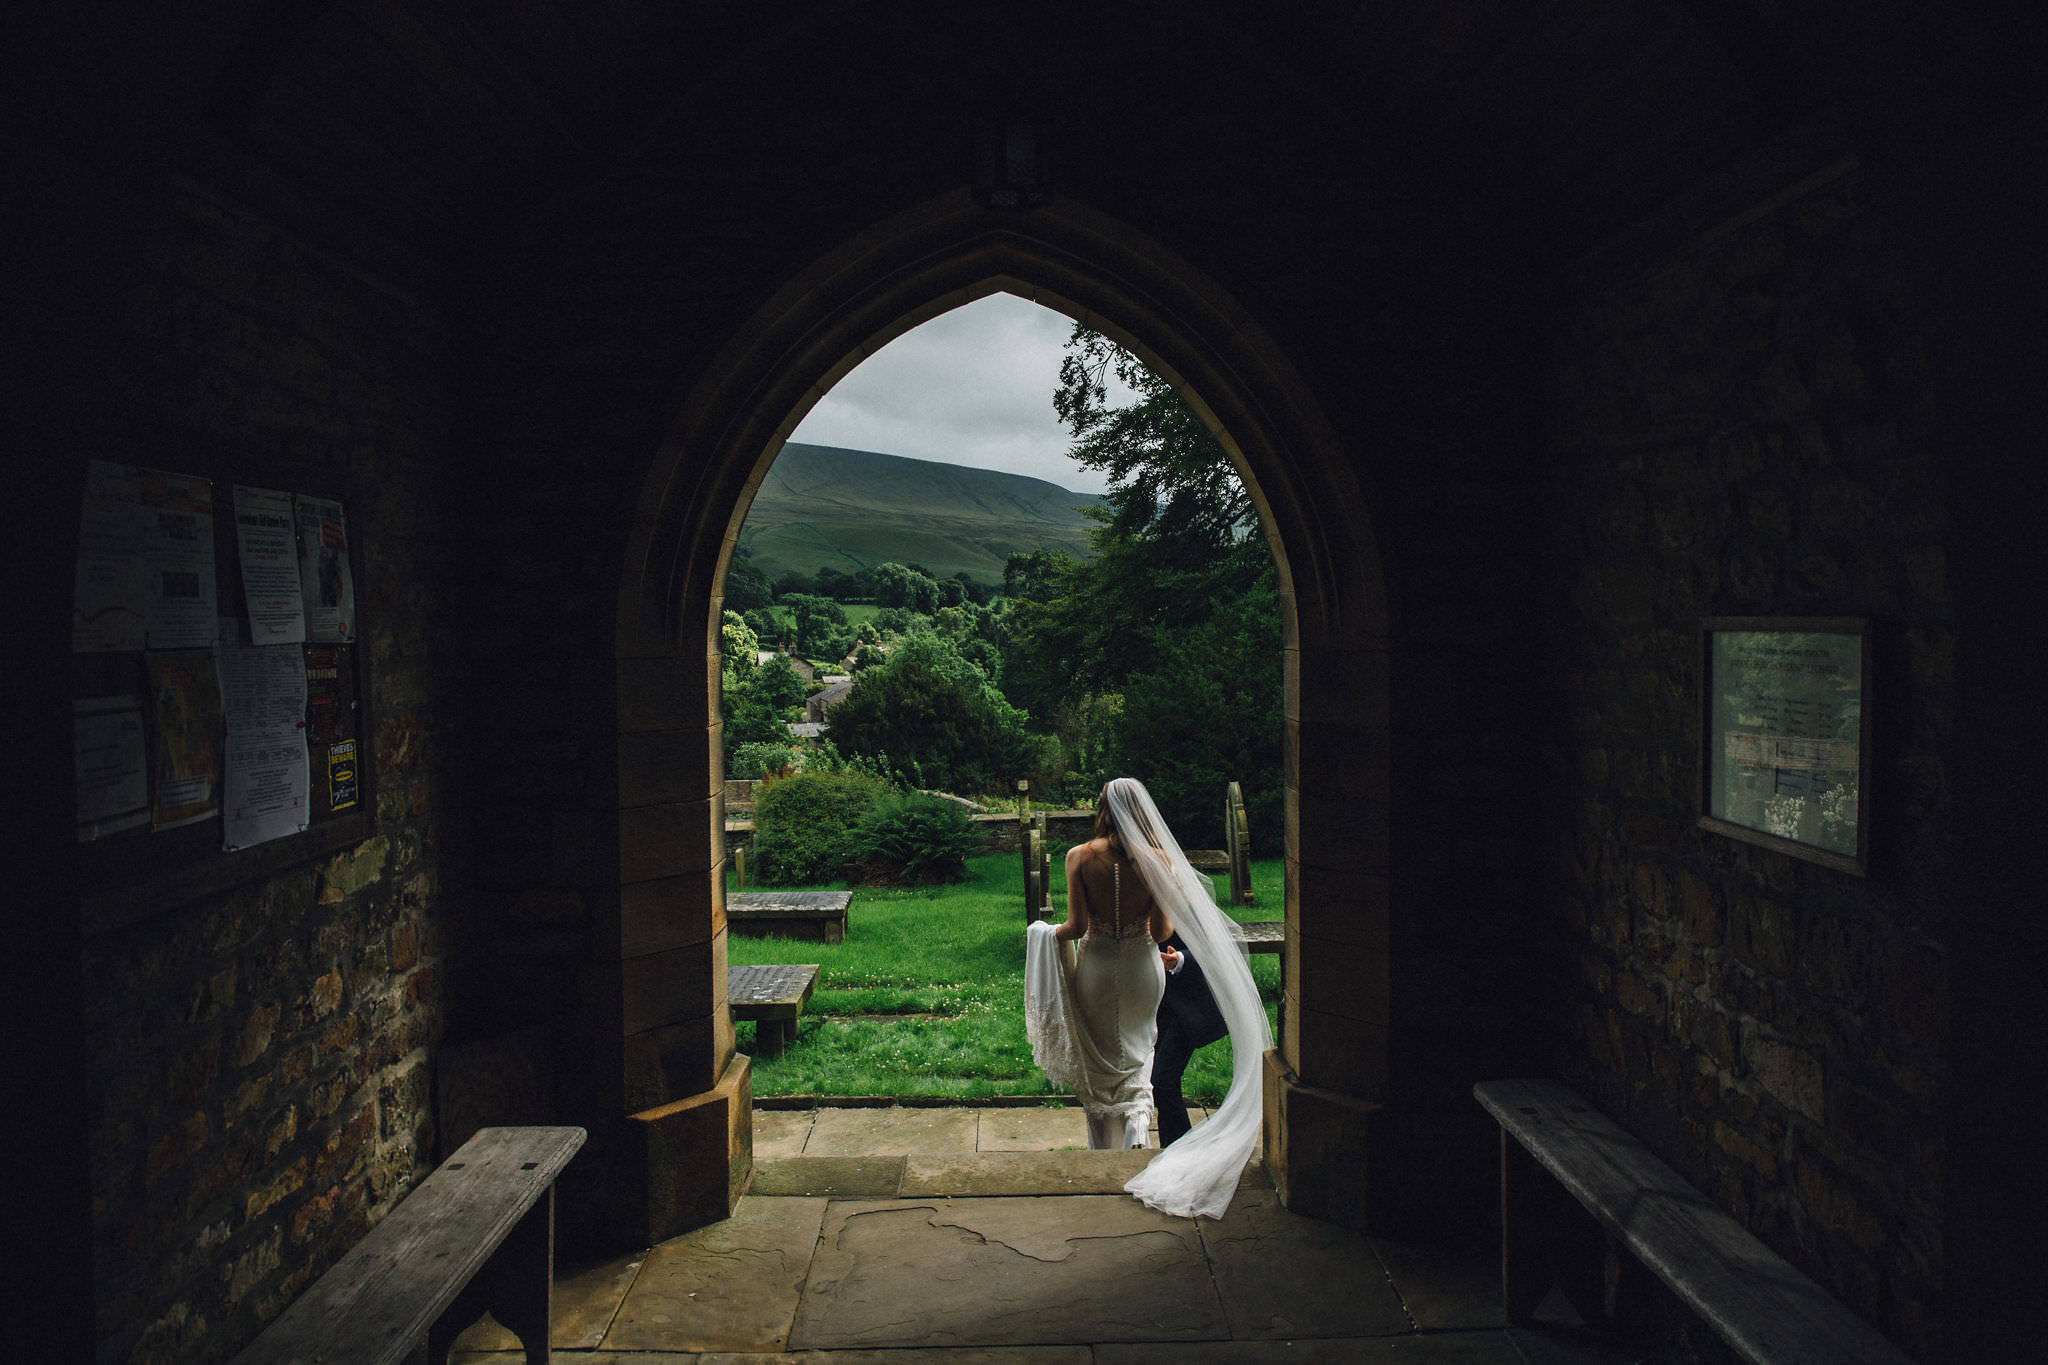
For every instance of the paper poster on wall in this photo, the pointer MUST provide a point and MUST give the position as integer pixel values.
(326, 584)
(331, 726)
(185, 711)
(112, 766)
(263, 696)
(145, 574)
(269, 557)
(111, 594)
(341, 775)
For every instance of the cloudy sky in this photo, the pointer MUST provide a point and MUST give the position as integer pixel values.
(973, 387)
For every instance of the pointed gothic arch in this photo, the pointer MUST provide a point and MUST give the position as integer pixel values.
(678, 1076)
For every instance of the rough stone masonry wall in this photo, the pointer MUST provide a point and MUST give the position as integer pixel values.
(1742, 429)
(260, 1061)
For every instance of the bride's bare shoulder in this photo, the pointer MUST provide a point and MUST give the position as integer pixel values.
(1088, 851)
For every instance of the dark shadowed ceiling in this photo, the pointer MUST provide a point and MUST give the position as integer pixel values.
(436, 123)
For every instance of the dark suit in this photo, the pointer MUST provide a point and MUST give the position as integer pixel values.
(1188, 1019)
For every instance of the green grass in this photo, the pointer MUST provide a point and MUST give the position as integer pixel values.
(926, 995)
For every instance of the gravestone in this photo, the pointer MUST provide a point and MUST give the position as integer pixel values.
(1237, 844)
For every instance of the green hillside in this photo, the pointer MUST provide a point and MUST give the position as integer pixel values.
(848, 509)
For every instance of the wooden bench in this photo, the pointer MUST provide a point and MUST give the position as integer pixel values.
(771, 997)
(1751, 1297)
(476, 1237)
(819, 915)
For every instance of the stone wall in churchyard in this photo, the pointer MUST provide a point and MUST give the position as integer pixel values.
(1741, 428)
(260, 1060)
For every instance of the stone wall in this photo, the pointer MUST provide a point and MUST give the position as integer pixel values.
(999, 833)
(1740, 427)
(259, 1060)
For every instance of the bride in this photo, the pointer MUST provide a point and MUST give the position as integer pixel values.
(1092, 1018)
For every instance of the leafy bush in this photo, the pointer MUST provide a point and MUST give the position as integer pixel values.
(804, 825)
(941, 717)
(757, 759)
(929, 839)
(823, 756)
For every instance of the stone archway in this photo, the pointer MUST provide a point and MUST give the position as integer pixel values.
(688, 1153)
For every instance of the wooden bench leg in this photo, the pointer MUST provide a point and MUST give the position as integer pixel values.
(516, 1286)
(1547, 1240)
(1524, 1264)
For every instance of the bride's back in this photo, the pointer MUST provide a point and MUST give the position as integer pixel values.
(1113, 894)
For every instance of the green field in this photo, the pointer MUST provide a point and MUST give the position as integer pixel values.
(926, 995)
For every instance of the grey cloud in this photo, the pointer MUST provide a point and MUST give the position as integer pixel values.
(971, 387)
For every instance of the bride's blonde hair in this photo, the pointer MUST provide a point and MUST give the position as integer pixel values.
(1105, 824)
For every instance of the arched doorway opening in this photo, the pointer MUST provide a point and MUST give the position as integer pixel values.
(679, 1077)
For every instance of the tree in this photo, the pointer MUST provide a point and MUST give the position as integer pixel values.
(1038, 576)
(746, 587)
(845, 587)
(1170, 480)
(738, 649)
(754, 702)
(766, 625)
(900, 585)
(1206, 712)
(938, 716)
(822, 631)
(778, 685)
(1159, 656)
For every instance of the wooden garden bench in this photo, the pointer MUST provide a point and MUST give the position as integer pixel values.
(819, 915)
(772, 997)
(1752, 1298)
(477, 1236)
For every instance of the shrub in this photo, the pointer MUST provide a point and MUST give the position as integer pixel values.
(939, 715)
(929, 839)
(804, 825)
(757, 759)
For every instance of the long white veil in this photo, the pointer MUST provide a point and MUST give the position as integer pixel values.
(1197, 1175)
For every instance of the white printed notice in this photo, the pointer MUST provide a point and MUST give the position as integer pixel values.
(270, 566)
(113, 580)
(113, 775)
(263, 697)
(145, 561)
(325, 582)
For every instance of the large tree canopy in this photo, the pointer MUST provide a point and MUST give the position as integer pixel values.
(1158, 657)
(937, 718)
(1170, 483)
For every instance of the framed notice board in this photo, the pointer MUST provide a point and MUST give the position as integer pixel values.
(220, 707)
(1785, 735)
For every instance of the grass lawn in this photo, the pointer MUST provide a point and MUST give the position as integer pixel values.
(926, 995)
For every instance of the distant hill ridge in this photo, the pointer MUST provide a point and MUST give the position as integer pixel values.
(826, 506)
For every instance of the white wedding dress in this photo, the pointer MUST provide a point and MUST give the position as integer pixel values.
(1073, 1042)
(1105, 995)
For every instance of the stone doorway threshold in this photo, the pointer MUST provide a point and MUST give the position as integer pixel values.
(990, 1236)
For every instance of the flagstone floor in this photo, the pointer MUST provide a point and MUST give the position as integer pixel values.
(913, 1236)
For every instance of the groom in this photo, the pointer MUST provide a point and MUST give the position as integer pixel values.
(1188, 1019)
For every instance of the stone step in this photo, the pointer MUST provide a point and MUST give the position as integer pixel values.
(963, 1175)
